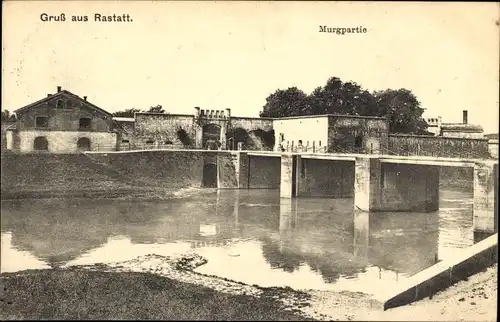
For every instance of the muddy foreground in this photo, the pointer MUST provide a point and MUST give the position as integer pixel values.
(168, 288)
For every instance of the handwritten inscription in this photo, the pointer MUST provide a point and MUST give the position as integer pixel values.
(97, 17)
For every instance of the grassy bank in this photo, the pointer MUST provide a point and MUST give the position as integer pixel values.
(84, 294)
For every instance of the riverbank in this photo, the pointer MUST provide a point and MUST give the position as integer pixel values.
(86, 294)
(157, 287)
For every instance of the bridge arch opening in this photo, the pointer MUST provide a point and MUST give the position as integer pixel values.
(211, 136)
(41, 144)
(83, 144)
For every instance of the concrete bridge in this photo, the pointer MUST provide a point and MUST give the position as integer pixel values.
(375, 182)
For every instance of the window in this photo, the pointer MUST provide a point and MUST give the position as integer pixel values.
(319, 143)
(42, 121)
(168, 142)
(150, 141)
(125, 141)
(69, 104)
(60, 104)
(40, 144)
(85, 123)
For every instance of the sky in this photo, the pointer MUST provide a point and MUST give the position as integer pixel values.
(219, 55)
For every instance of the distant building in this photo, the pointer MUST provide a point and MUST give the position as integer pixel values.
(331, 133)
(462, 130)
(60, 123)
(434, 125)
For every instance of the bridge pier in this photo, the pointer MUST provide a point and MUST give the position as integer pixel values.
(242, 170)
(289, 175)
(485, 207)
(395, 187)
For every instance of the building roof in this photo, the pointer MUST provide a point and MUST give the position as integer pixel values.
(493, 136)
(461, 127)
(123, 119)
(60, 94)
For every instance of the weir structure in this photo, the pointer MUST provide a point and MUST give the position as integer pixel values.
(377, 183)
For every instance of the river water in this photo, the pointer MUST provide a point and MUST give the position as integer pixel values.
(251, 236)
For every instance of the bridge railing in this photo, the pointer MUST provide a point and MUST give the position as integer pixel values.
(397, 151)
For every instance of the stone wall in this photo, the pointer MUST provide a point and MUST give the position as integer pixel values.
(64, 141)
(170, 169)
(438, 146)
(227, 168)
(127, 137)
(161, 129)
(251, 125)
(357, 134)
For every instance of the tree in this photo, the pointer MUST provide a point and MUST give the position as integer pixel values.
(156, 109)
(403, 110)
(400, 106)
(337, 97)
(126, 113)
(7, 117)
(289, 102)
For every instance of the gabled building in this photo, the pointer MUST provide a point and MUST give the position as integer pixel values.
(60, 123)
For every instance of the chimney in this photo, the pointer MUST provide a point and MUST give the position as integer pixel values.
(197, 111)
(58, 89)
(228, 112)
(49, 95)
(465, 116)
(85, 98)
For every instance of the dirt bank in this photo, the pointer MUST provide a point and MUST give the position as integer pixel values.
(471, 300)
(158, 287)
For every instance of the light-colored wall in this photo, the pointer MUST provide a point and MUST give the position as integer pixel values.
(66, 141)
(457, 134)
(9, 140)
(493, 147)
(312, 129)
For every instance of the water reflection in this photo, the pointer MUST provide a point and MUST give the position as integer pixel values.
(252, 236)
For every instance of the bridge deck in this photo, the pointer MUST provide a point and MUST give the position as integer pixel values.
(385, 158)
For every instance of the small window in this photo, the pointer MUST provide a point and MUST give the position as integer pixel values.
(42, 121)
(319, 143)
(150, 141)
(85, 123)
(60, 104)
(125, 141)
(168, 142)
